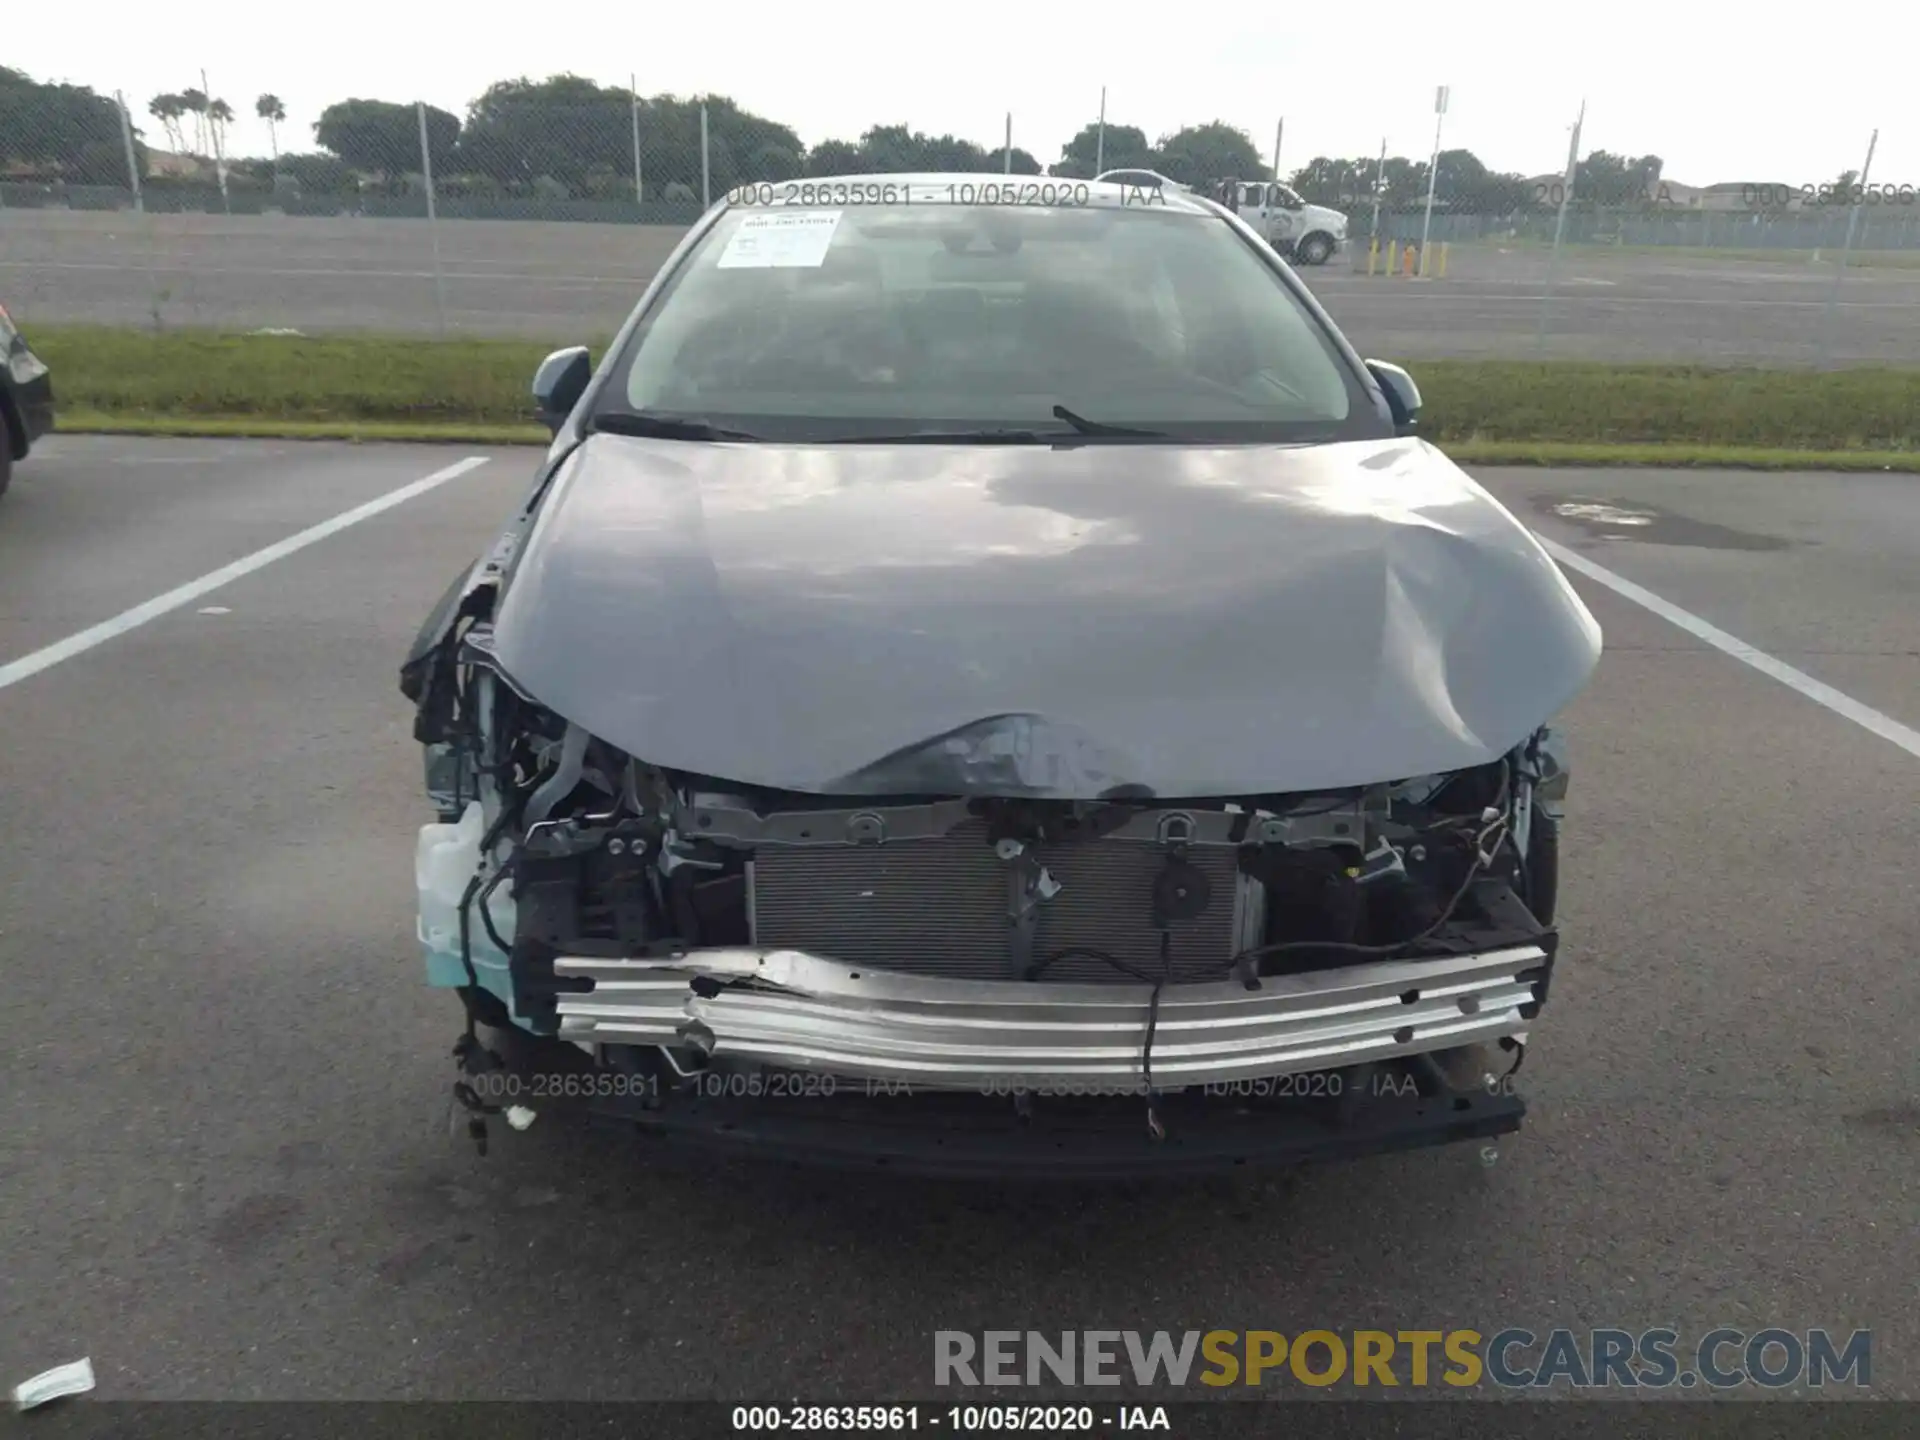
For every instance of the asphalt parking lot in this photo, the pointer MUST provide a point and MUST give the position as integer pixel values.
(576, 282)
(225, 1153)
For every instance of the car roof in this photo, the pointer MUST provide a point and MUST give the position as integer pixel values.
(988, 188)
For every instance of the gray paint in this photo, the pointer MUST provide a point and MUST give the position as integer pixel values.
(1062, 622)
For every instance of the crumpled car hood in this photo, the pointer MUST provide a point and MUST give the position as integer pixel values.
(1073, 622)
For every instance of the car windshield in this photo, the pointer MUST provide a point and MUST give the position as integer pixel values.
(1012, 321)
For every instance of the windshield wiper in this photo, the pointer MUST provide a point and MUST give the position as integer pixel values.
(663, 427)
(1080, 427)
(956, 437)
(1096, 427)
(682, 427)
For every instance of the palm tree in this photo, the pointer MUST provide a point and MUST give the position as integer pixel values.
(219, 116)
(194, 102)
(269, 109)
(168, 109)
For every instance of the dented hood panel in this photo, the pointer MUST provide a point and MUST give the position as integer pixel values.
(1058, 622)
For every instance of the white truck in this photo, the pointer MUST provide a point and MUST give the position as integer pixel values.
(1306, 234)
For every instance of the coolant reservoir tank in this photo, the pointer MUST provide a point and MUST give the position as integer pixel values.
(445, 862)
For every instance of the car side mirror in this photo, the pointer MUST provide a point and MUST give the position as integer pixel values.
(1403, 396)
(559, 383)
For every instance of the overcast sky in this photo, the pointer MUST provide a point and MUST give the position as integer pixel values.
(1720, 93)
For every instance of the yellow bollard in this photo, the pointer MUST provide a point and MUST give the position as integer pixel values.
(1373, 253)
(1443, 260)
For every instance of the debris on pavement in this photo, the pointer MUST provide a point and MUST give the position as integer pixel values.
(63, 1380)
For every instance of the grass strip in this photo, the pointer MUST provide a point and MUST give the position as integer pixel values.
(1464, 452)
(385, 388)
(261, 427)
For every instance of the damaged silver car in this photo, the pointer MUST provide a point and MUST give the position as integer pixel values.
(987, 680)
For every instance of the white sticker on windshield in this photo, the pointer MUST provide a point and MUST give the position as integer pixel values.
(780, 240)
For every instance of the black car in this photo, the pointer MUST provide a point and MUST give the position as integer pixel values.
(26, 399)
(988, 680)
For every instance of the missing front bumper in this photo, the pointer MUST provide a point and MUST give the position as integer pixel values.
(795, 1011)
(982, 1137)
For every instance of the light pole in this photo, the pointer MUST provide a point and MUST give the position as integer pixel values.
(1846, 249)
(1379, 183)
(1560, 226)
(633, 102)
(1433, 172)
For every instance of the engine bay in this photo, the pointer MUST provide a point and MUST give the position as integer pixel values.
(604, 855)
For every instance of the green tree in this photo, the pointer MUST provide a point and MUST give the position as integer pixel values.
(64, 132)
(1606, 179)
(837, 157)
(529, 135)
(1202, 154)
(1461, 178)
(1341, 184)
(775, 162)
(1467, 186)
(379, 137)
(1023, 163)
(742, 140)
(1124, 147)
(318, 174)
(898, 149)
(670, 142)
(561, 127)
(1406, 183)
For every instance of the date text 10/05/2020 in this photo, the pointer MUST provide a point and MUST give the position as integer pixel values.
(1071, 194)
(528, 1087)
(954, 1419)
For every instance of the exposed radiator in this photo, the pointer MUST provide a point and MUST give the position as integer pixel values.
(939, 907)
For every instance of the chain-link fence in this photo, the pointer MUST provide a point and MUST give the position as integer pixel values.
(544, 210)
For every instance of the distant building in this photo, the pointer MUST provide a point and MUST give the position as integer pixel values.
(173, 166)
(1744, 195)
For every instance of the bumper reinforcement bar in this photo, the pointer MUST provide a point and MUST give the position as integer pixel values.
(798, 1011)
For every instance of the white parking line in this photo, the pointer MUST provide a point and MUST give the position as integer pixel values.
(47, 657)
(558, 277)
(1818, 691)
